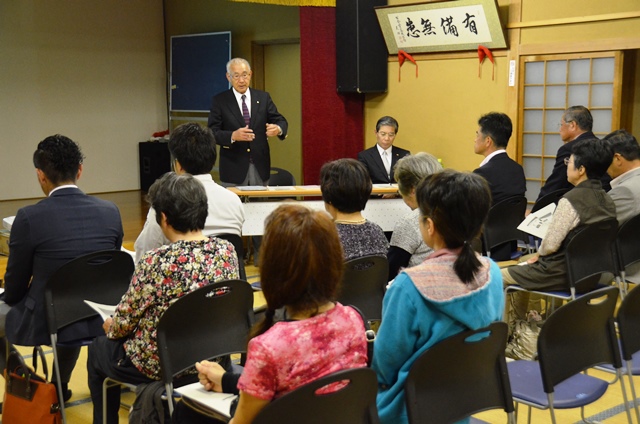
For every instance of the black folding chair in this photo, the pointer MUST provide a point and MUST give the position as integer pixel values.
(578, 336)
(547, 199)
(363, 285)
(466, 370)
(589, 255)
(354, 402)
(281, 177)
(236, 240)
(628, 319)
(627, 250)
(101, 277)
(502, 223)
(209, 322)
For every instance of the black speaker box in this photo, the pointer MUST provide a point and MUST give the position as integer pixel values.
(361, 53)
(155, 161)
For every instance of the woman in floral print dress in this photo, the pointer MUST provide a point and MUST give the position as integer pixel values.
(129, 351)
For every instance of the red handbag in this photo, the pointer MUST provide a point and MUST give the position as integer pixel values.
(29, 398)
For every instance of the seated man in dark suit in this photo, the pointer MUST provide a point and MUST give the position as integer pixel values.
(575, 125)
(505, 176)
(44, 236)
(382, 158)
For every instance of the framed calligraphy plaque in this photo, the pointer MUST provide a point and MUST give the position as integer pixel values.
(441, 26)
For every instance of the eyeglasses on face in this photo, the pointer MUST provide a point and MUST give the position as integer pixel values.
(562, 123)
(567, 161)
(384, 134)
(243, 76)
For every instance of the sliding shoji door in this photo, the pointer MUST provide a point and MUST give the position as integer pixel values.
(549, 85)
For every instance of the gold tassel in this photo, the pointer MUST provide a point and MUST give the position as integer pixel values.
(316, 3)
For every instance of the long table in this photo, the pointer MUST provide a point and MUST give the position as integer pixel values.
(384, 212)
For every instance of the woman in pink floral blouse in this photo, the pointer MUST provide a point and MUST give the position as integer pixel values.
(300, 270)
(129, 351)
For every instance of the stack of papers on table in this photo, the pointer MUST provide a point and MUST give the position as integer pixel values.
(280, 188)
(252, 188)
(217, 402)
(7, 222)
(537, 223)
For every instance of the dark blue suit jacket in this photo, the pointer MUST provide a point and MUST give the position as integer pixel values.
(558, 178)
(373, 162)
(44, 237)
(225, 117)
(505, 177)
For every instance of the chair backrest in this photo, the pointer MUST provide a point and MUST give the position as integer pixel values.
(629, 323)
(590, 253)
(464, 370)
(502, 223)
(363, 285)
(236, 240)
(101, 277)
(211, 321)
(354, 403)
(577, 336)
(553, 197)
(281, 177)
(627, 245)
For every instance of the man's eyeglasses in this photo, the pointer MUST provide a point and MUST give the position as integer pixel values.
(563, 123)
(238, 77)
(384, 134)
(567, 161)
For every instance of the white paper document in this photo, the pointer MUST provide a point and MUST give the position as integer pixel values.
(281, 188)
(105, 311)
(7, 222)
(537, 223)
(252, 188)
(219, 402)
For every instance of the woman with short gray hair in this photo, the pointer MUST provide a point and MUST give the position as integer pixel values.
(407, 247)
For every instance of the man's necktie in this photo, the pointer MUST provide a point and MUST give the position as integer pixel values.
(387, 162)
(245, 111)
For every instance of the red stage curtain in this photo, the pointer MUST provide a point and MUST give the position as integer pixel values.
(332, 123)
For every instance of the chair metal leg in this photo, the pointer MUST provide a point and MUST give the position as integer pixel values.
(169, 392)
(106, 384)
(56, 368)
(624, 396)
(633, 391)
(551, 409)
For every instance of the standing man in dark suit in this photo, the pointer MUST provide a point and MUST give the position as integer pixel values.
(576, 124)
(45, 236)
(505, 176)
(241, 120)
(382, 158)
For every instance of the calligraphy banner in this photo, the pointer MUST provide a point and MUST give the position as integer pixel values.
(441, 26)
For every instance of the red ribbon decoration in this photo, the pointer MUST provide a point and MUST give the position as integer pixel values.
(402, 55)
(482, 53)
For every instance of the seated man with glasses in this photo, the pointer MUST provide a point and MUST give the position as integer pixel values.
(576, 124)
(382, 158)
(241, 120)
